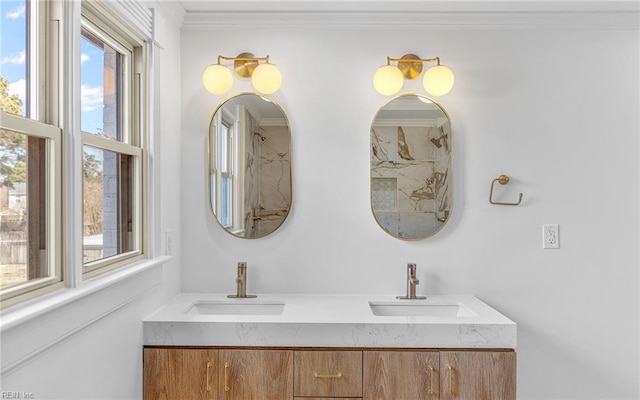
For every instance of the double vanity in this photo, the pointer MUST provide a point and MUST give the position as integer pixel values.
(208, 346)
(311, 347)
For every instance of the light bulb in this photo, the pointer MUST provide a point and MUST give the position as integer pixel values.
(266, 78)
(388, 80)
(217, 79)
(438, 80)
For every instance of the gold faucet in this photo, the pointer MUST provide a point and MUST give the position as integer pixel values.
(412, 281)
(241, 281)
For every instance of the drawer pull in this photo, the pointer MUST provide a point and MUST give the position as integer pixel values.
(450, 388)
(431, 379)
(226, 377)
(327, 376)
(209, 365)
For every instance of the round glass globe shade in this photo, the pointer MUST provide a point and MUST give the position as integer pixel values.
(266, 78)
(438, 80)
(217, 79)
(388, 80)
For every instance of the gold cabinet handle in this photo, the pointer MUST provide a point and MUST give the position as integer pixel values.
(327, 376)
(208, 374)
(226, 376)
(431, 379)
(450, 387)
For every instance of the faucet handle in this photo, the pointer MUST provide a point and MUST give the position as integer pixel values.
(411, 269)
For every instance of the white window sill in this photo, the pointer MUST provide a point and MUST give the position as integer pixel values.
(59, 315)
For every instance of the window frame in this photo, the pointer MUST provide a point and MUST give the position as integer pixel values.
(132, 114)
(227, 176)
(42, 120)
(55, 280)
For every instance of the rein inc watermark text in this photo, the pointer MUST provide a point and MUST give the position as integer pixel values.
(7, 394)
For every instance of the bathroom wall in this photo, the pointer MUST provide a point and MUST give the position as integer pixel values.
(102, 359)
(552, 105)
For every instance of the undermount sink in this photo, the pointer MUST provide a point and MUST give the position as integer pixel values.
(419, 309)
(226, 308)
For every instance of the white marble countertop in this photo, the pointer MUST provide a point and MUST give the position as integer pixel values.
(329, 321)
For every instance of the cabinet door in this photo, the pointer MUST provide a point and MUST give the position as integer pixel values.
(478, 375)
(255, 375)
(186, 374)
(407, 375)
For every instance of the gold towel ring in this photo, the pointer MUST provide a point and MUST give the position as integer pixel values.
(503, 180)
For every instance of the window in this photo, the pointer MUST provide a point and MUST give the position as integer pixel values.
(223, 180)
(111, 137)
(112, 64)
(226, 177)
(30, 154)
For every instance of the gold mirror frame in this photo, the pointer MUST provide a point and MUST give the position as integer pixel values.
(249, 166)
(410, 167)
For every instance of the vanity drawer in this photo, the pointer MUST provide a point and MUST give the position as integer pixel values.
(327, 373)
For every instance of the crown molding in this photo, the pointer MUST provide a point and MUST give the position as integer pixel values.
(424, 14)
(410, 21)
(263, 6)
(171, 10)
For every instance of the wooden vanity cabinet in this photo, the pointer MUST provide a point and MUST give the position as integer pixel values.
(312, 374)
(204, 374)
(444, 375)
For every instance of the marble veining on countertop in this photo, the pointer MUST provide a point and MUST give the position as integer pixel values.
(328, 321)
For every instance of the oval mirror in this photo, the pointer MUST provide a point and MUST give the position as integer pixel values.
(250, 166)
(411, 167)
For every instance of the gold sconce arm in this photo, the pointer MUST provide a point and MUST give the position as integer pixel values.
(245, 57)
(412, 58)
(503, 180)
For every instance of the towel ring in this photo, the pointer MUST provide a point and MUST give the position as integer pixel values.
(503, 180)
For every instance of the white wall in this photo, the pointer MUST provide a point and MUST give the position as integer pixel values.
(555, 109)
(103, 360)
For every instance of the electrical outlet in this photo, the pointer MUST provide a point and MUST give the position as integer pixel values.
(550, 236)
(168, 242)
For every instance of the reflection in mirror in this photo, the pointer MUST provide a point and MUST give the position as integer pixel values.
(411, 167)
(250, 166)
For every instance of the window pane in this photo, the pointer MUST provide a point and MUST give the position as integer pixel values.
(101, 87)
(14, 57)
(224, 149)
(23, 210)
(108, 213)
(226, 201)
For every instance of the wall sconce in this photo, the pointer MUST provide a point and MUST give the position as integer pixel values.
(388, 79)
(266, 78)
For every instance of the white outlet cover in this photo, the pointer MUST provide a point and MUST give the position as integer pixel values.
(550, 236)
